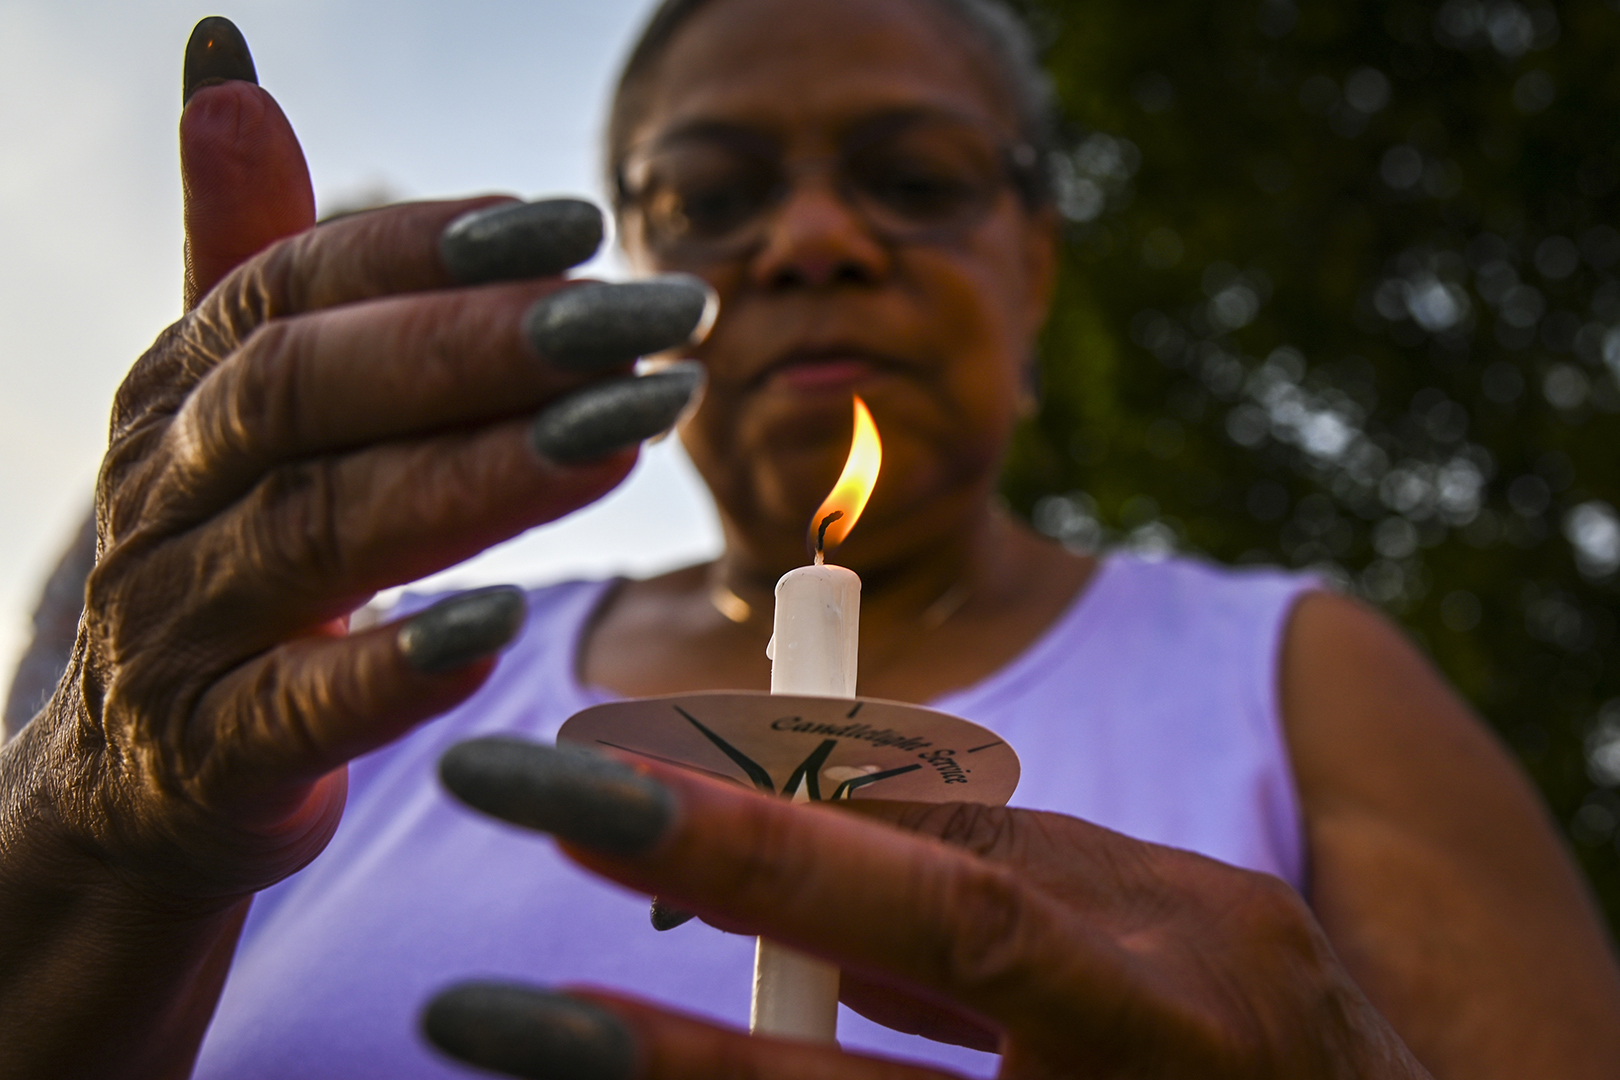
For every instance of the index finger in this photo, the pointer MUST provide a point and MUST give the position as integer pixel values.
(878, 901)
(414, 247)
(411, 248)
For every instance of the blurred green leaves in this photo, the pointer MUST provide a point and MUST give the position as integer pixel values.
(1342, 291)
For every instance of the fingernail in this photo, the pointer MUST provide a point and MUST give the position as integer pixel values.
(521, 240)
(216, 53)
(596, 327)
(573, 794)
(463, 628)
(609, 416)
(665, 917)
(529, 1033)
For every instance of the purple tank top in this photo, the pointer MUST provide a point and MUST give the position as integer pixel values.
(1149, 707)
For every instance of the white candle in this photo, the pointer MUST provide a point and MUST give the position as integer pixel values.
(813, 650)
(816, 636)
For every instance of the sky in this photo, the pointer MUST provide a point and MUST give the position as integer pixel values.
(422, 99)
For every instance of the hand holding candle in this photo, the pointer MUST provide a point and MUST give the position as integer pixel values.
(810, 739)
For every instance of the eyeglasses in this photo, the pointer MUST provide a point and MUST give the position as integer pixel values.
(707, 194)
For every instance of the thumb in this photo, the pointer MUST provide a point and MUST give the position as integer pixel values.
(243, 173)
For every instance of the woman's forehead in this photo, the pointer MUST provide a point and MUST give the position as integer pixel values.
(785, 64)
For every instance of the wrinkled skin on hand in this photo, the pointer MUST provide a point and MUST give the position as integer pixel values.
(308, 435)
(1073, 950)
(1156, 962)
(333, 416)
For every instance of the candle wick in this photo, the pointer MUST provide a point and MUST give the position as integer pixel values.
(821, 534)
(820, 558)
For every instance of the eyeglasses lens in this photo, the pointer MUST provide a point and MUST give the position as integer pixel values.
(709, 197)
(923, 180)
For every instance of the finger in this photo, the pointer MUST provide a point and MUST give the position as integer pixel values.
(397, 249)
(412, 248)
(1089, 866)
(896, 1007)
(881, 1002)
(315, 539)
(886, 904)
(305, 708)
(368, 255)
(242, 171)
(674, 1046)
(588, 1035)
(405, 366)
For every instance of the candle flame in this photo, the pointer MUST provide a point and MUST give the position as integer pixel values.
(842, 508)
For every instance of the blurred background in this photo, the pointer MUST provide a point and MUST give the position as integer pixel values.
(1341, 292)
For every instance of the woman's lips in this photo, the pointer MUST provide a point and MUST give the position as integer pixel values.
(829, 374)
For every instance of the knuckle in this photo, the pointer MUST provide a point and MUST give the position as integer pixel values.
(278, 281)
(131, 466)
(258, 394)
(242, 408)
(1271, 923)
(184, 354)
(992, 929)
(281, 712)
(151, 380)
(295, 526)
(1271, 908)
(983, 830)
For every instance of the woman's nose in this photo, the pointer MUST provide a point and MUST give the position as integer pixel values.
(816, 239)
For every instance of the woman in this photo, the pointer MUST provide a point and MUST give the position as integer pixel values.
(858, 182)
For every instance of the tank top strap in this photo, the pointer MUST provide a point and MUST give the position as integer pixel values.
(1151, 706)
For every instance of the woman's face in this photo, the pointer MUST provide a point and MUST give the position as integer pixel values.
(823, 298)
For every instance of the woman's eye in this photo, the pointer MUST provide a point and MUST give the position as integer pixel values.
(920, 193)
(716, 208)
(701, 193)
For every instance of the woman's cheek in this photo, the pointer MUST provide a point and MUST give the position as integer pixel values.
(986, 372)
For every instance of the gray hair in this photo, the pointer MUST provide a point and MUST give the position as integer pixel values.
(993, 24)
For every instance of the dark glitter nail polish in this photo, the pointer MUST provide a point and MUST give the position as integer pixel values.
(462, 628)
(529, 1033)
(665, 917)
(521, 240)
(596, 327)
(575, 795)
(609, 416)
(216, 53)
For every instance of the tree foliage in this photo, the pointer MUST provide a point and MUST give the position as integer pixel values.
(1342, 291)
